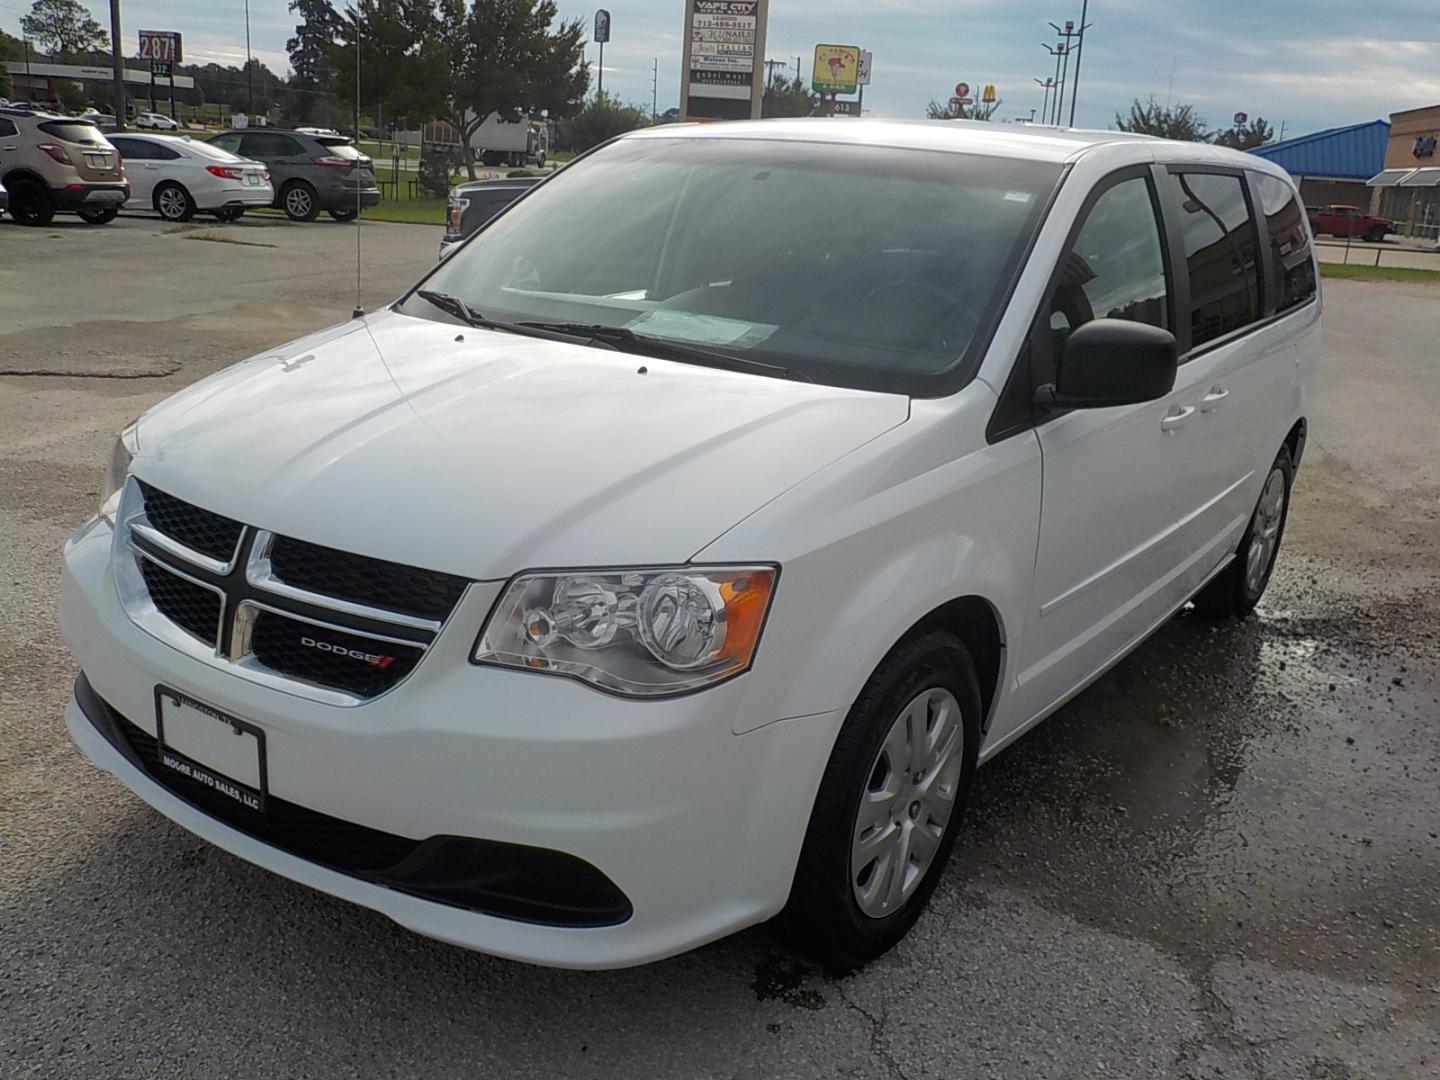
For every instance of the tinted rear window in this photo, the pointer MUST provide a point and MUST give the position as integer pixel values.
(74, 131)
(1221, 252)
(1293, 270)
(339, 147)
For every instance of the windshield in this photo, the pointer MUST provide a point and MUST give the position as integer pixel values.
(860, 266)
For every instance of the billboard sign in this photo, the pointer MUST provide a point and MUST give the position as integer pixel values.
(724, 55)
(836, 69)
(602, 26)
(867, 58)
(160, 45)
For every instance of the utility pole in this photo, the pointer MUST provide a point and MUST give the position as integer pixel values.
(117, 64)
(654, 89)
(1057, 51)
(249, 66)
(770, 66)
(1079, 55)
(1065, 50)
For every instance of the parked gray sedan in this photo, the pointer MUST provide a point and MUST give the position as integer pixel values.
(310, 173)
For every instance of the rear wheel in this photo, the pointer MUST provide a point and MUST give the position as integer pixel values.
(889, 806)
(299, 201)
(230, 213)
(1241, 584)
(173, 202)
(1376, 234)
(101, 216)
(344, 215)
(30, 202)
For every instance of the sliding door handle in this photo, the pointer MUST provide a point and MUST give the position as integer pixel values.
(1178, 416)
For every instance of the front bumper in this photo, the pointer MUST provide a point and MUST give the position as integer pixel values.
(699, 829)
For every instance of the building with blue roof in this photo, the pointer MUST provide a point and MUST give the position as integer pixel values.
(1332, 166)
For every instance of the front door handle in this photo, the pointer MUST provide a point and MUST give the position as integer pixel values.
(1211, 401)
(1177, 416)
(151, 165)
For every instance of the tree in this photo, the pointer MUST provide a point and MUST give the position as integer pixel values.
(64, 28)
(6, 89)
(442, 59)
(975, 111)
(602, 118)
(788, 97)
(1178, 122)
(1247, 136)
(71, 96)
(312, 53)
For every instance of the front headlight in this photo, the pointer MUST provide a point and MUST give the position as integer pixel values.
(116, 469)
(642, 633)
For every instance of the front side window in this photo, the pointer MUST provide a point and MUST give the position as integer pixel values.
(7, 129)
(1220, 252)
(132, 149)
(1292, 272)
(878, 268)
(1115, 268)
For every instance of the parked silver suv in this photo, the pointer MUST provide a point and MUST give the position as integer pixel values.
(50, 162)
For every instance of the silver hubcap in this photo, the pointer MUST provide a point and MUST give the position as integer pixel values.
(298, 202)
(1265, 532)
(907, 802)
(172, 203)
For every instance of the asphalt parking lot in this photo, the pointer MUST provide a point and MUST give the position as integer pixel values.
(1223, 860)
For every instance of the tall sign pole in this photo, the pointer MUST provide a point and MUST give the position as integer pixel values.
(1079, 55)
(602, 35)
(117, 63)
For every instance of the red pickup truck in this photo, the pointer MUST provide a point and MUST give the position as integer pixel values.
(1338, 220)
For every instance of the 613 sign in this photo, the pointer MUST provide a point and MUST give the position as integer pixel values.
(160, 45)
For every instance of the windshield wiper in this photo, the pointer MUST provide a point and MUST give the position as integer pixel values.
(625, 339)
(453, 305)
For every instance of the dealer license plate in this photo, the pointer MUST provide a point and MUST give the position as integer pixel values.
(210, 747)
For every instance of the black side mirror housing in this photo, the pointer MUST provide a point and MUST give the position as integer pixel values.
(1108, 362)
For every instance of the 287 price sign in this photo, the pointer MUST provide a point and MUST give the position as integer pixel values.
(161, 45)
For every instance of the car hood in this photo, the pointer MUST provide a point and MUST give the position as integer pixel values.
(483, 453)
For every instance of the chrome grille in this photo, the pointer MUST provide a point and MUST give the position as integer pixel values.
(330, 624)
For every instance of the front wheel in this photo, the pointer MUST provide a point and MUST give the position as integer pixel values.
(344, 215)
(889, 805)
(1238, 588)
(101, 216)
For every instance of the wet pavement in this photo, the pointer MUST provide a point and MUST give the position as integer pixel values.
(1223, 860)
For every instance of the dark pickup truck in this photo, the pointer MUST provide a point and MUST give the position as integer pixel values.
(1338, 220)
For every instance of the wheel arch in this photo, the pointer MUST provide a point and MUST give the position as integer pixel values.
(977, 623)
(21, 173)
(1295, 441)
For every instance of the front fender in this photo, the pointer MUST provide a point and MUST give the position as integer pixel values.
(871, 545)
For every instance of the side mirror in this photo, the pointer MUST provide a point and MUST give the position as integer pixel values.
(1109, 362)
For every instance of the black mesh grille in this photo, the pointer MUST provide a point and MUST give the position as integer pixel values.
(350, 662)
(199, 530)
(194, 609)
(427, 594)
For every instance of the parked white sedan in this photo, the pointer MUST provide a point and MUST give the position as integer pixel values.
(177, 176)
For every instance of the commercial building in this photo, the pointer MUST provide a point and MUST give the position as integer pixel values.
(1334, 165)
(1407, 189)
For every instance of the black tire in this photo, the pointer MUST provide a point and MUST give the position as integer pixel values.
(172, 202)
(490, 159)
(103, 216)
(1376, 234)
(344, 215)
(30, 202)
(300, 201)
(823, 917)
(1236, 591)
(228, 214)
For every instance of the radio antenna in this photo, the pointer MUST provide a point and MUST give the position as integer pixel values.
(359, 311)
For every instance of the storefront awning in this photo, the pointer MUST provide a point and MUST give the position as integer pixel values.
(1421, 178)
(1388, 178)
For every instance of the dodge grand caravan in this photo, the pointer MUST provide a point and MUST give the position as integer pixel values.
(596, 600)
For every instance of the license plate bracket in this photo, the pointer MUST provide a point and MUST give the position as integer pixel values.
(213, 748)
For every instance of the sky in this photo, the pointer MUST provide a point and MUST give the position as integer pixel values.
(1307, 65)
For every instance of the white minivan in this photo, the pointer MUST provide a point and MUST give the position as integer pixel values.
(668, 559)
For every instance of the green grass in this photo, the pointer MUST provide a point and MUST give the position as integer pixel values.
(408, 211)
(1379, 273)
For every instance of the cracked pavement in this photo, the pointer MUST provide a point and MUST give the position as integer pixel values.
(1223, 860)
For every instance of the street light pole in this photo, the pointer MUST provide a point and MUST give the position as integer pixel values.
(249, 65)
(1045, 107)
(1057, 51)
(117, 63)
(1079, 55)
